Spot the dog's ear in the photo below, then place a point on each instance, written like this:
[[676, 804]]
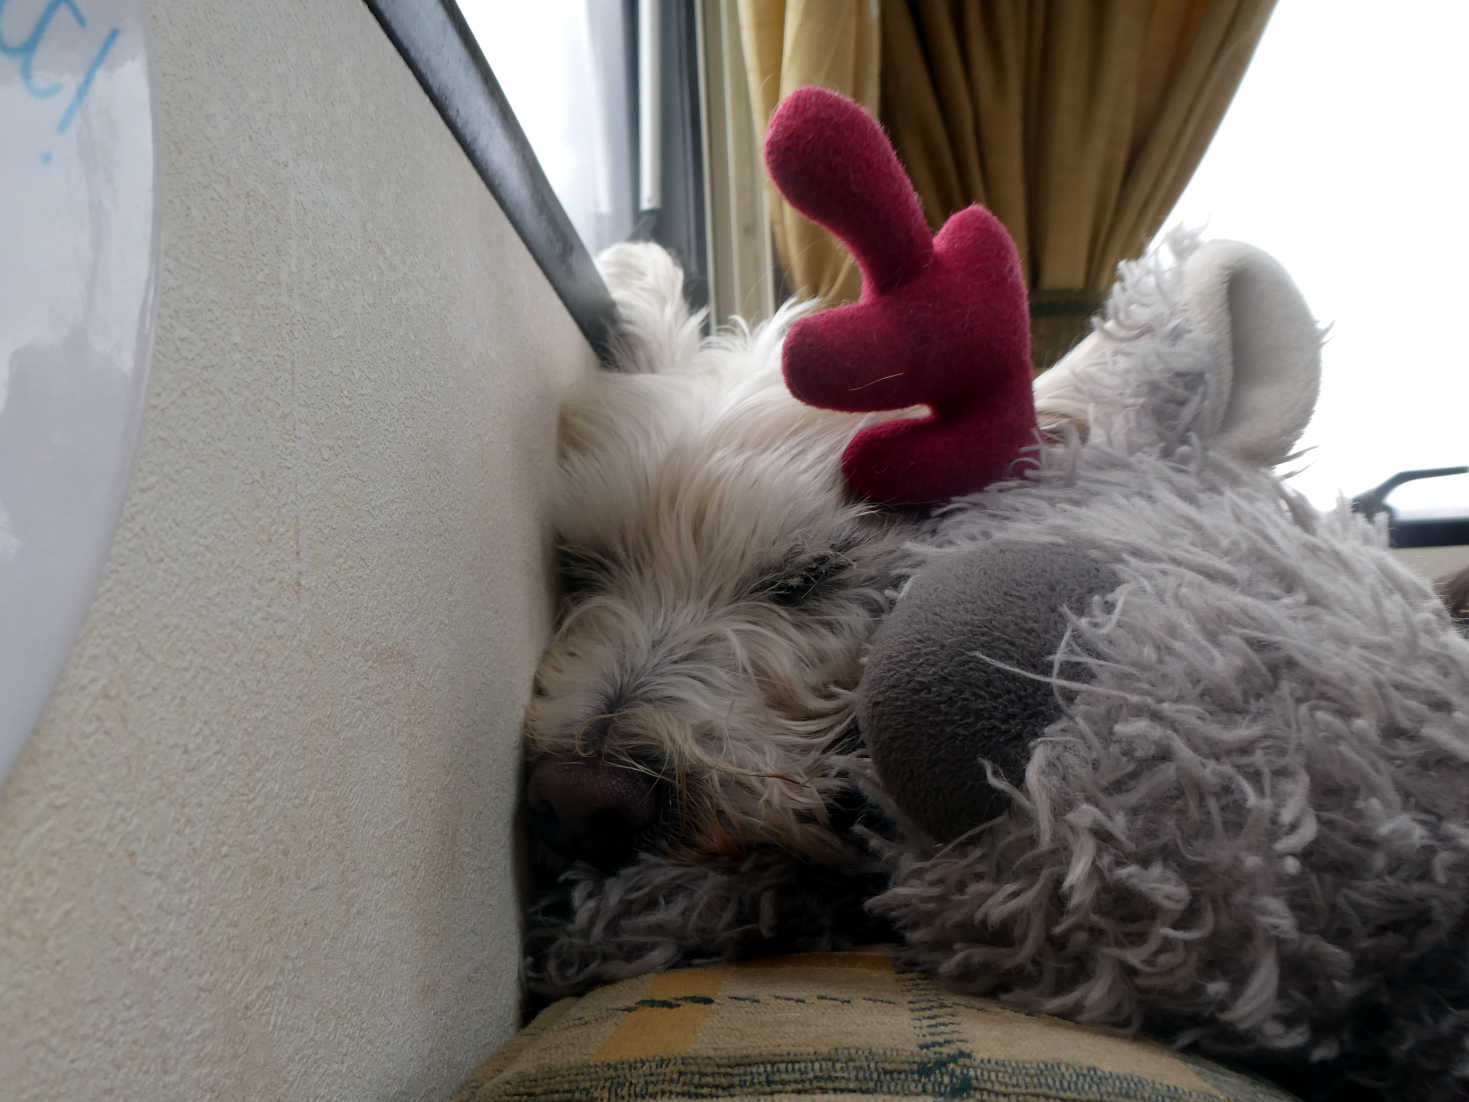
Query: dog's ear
[[1218, 346], [655, 332], [614, 411]]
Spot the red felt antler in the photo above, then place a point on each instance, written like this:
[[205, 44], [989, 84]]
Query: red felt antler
[[942, 321]]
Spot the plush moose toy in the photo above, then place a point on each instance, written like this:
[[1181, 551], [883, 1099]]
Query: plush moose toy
[[1171, 751], [1175, 752]]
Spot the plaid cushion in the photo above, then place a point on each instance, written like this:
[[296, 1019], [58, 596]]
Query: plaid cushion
[[828, 1025]]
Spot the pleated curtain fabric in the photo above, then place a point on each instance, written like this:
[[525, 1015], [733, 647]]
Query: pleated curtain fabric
[[1078, 122], [789, 44]]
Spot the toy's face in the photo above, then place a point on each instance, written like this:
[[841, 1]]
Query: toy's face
[[1252, 789]]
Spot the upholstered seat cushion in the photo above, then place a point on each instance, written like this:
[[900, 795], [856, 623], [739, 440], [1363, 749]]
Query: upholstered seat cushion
[[832, 1025]]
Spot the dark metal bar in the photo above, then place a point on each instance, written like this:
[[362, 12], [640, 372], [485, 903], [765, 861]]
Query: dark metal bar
[[436, 42]]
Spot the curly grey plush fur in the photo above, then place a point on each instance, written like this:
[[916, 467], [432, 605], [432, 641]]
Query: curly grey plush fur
[[661, 912], [1250, 825]]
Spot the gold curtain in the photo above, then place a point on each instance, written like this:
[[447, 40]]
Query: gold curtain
[[1078, 122], [789, 44]]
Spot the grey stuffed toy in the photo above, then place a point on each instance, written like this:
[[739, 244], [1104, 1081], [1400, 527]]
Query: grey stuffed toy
[[1173, 752], [1160, 747]]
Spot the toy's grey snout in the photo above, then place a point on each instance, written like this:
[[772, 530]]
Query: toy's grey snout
[[936, 699]]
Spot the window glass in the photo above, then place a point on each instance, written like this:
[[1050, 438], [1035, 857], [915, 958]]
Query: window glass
[[1344, 156], [563, 67]]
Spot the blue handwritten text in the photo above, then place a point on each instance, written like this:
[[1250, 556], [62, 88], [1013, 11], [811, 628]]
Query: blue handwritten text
[[21, 52]]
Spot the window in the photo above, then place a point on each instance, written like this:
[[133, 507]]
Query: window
[[579, 71], [1343, 156], [564, 66], [608, 95]]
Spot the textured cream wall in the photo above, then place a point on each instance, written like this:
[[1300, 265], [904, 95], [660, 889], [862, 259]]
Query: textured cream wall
[[257, 847], [1434, 562]]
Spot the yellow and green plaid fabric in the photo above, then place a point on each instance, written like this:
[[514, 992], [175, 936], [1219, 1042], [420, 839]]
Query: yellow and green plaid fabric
[[828, 1026]]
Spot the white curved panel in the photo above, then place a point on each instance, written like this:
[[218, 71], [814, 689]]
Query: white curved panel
[[78, 232]]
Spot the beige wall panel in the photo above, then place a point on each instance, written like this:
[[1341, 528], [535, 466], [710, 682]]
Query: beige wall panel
[[259, 846]]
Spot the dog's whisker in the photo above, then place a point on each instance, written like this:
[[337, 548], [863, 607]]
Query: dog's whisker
[[756, 774], [634, 767]]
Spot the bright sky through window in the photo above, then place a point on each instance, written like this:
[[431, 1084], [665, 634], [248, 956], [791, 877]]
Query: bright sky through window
[[562, 67], [1344, 155]]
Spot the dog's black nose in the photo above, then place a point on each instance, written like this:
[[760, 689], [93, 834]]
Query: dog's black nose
[[592, 810]]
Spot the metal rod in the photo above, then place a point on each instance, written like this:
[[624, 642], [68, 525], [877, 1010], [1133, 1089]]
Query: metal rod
[[650, 105]]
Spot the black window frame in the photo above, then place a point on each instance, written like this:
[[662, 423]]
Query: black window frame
[[440, 49]]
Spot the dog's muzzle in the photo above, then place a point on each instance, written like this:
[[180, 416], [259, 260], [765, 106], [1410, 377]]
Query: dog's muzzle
[[590, 810]]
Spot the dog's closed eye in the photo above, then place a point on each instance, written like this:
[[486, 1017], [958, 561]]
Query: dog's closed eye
[[579, 570], [803, 578]]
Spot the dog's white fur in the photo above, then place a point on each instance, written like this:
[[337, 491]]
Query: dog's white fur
[[729, 582]]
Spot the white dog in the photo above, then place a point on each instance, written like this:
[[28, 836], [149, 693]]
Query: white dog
[[696, 698]]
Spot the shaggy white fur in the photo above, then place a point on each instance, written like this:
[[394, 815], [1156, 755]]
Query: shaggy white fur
[[724, 581]]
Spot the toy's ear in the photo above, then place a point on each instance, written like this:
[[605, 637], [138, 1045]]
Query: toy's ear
[[1219, 346]]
